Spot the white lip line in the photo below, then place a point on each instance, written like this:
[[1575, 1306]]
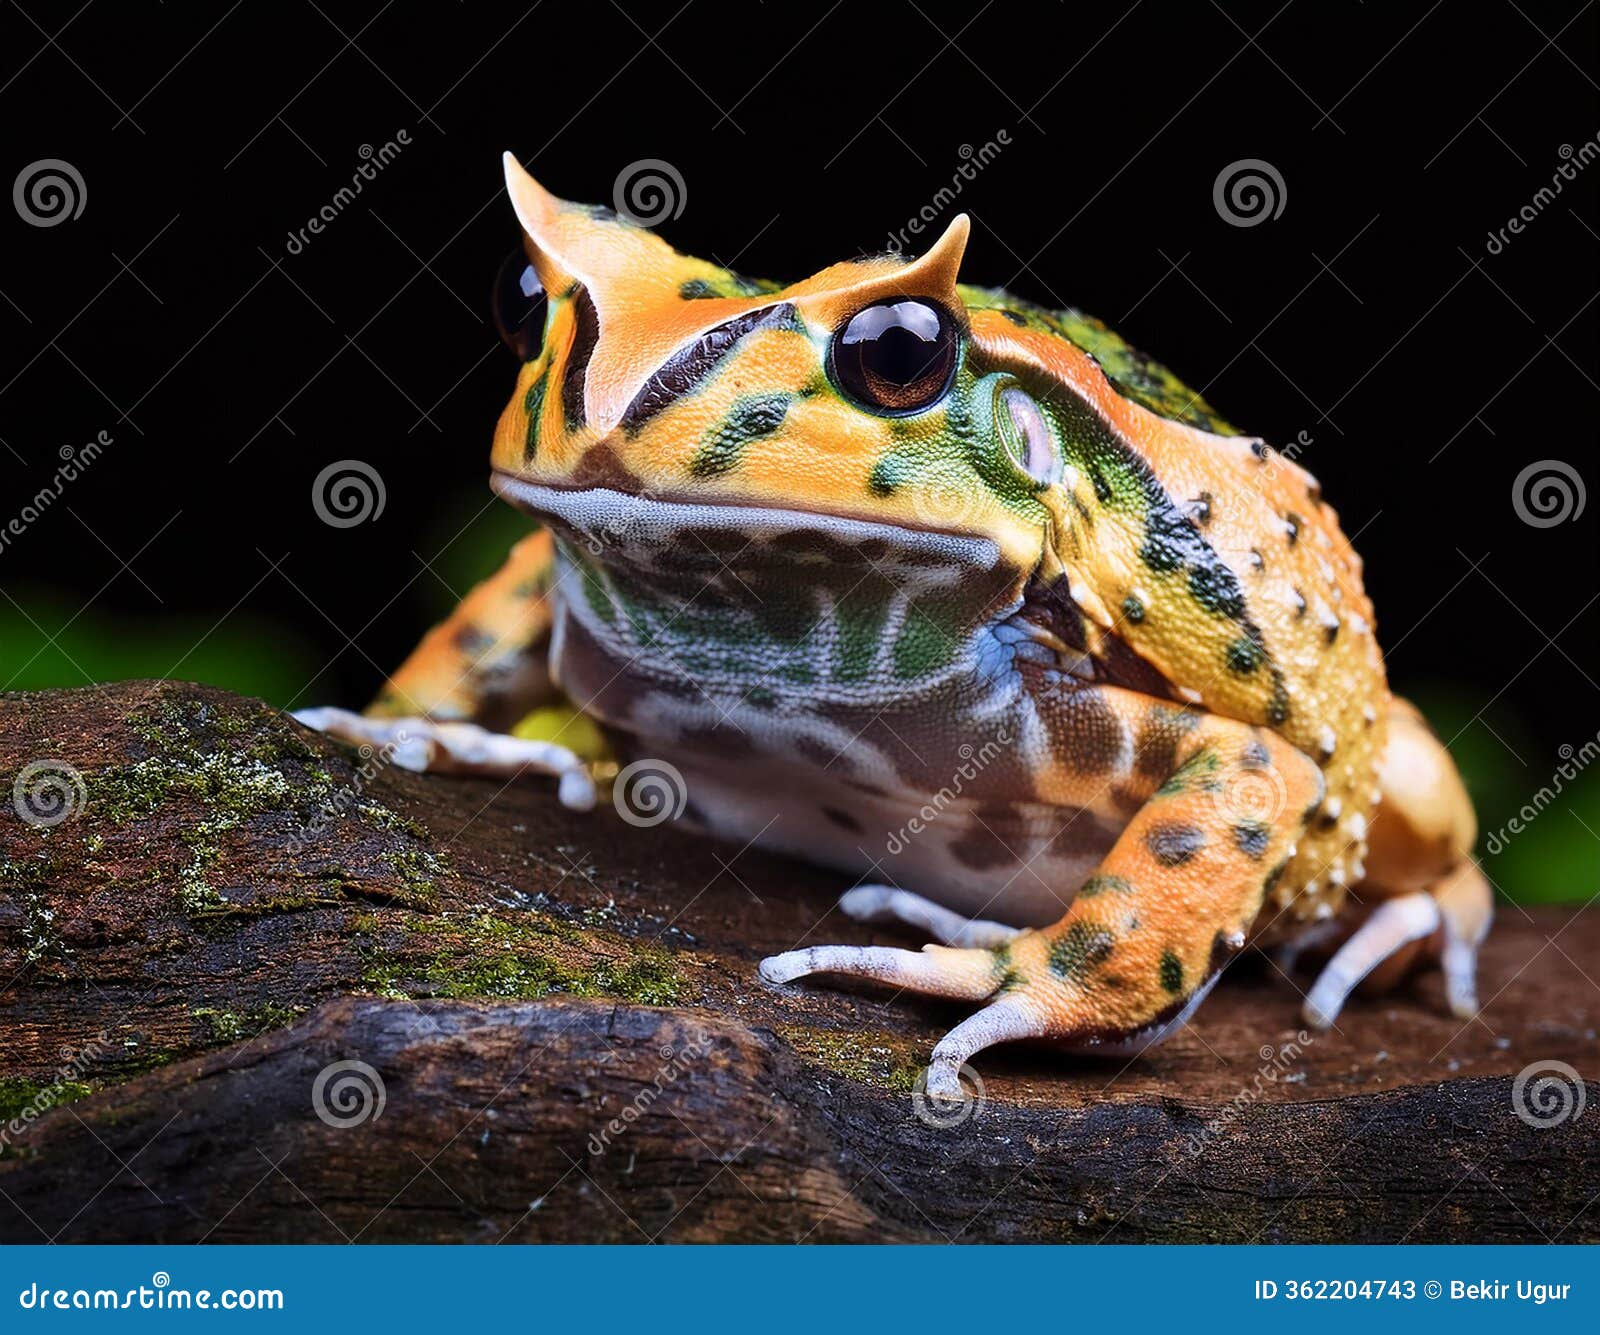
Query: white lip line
[[528, 494]]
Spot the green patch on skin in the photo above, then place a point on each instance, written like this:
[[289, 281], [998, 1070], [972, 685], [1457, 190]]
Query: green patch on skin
[[1079, 951], [859, 619], [894, 1068], [924, 646], [1102, 883], [1171, 972], [18, 1096], [1202, 765], [751, 418], [890, 473], [533, 405]]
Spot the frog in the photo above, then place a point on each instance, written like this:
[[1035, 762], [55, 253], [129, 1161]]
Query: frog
[[963, 597]]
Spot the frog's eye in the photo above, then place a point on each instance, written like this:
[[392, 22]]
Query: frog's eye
[[896, 356], [1027, 437], [519, 306]]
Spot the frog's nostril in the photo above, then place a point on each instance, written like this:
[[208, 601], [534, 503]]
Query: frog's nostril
[[1025, 432]]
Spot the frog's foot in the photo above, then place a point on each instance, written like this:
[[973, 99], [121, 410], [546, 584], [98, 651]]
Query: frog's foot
[[888, 903], [432, 747], [1145, 936], [1444, 925]]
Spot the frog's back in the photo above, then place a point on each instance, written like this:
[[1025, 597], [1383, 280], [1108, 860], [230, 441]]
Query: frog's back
[[1215, 558]]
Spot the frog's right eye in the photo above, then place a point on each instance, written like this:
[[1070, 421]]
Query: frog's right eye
[[519, 306]]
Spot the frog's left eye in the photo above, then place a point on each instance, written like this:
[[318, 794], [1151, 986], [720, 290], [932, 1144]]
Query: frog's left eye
[[519, 306], [896, 356]]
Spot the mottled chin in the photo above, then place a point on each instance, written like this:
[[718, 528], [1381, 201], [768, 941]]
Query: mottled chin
[[621, 528]]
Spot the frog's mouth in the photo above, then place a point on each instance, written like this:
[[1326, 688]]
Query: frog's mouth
[[625, 529]]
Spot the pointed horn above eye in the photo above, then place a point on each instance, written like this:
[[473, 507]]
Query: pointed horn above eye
[[940, 267], [612, 259]]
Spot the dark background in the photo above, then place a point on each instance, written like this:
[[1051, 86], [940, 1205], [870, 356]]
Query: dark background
[[1426, 371]]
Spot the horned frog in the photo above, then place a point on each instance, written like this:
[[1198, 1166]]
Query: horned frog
[[923, 582]]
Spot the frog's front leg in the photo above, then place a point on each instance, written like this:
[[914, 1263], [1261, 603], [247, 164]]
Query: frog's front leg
[[1147, 933], [452, 705]]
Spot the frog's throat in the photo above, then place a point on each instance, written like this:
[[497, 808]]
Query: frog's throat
[[606, 520]]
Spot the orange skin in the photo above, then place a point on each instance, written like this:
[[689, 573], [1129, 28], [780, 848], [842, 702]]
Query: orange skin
[[1257, 729]]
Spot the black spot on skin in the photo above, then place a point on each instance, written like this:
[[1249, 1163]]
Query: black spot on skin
[[1278, 704], [1156, 746], [1103, 883], [696, 289], [690, 366], [1080, 950], [473, 642], [1102, 488], [1133, 609], [1173, 844], [1171, 972], [1330, 632], [1292, 525], [1255, 755], [1244, 656], [843, 819], [1260, 450], [1273, 877], [1251, 836], [1299, 604], [586, 334], [1200, 509], [1214, 587], [1257, 561], [1016, 317]]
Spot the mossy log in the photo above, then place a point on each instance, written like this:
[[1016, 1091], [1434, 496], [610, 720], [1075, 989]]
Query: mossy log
[[257, 986]]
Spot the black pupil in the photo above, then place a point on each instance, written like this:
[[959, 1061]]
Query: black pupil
[[897, 356], [519, 306]]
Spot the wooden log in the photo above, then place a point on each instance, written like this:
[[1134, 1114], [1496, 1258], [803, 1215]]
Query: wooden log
[[259, 987]]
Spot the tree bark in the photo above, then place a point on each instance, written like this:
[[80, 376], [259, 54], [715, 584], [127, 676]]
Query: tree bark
[[260, 987]]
